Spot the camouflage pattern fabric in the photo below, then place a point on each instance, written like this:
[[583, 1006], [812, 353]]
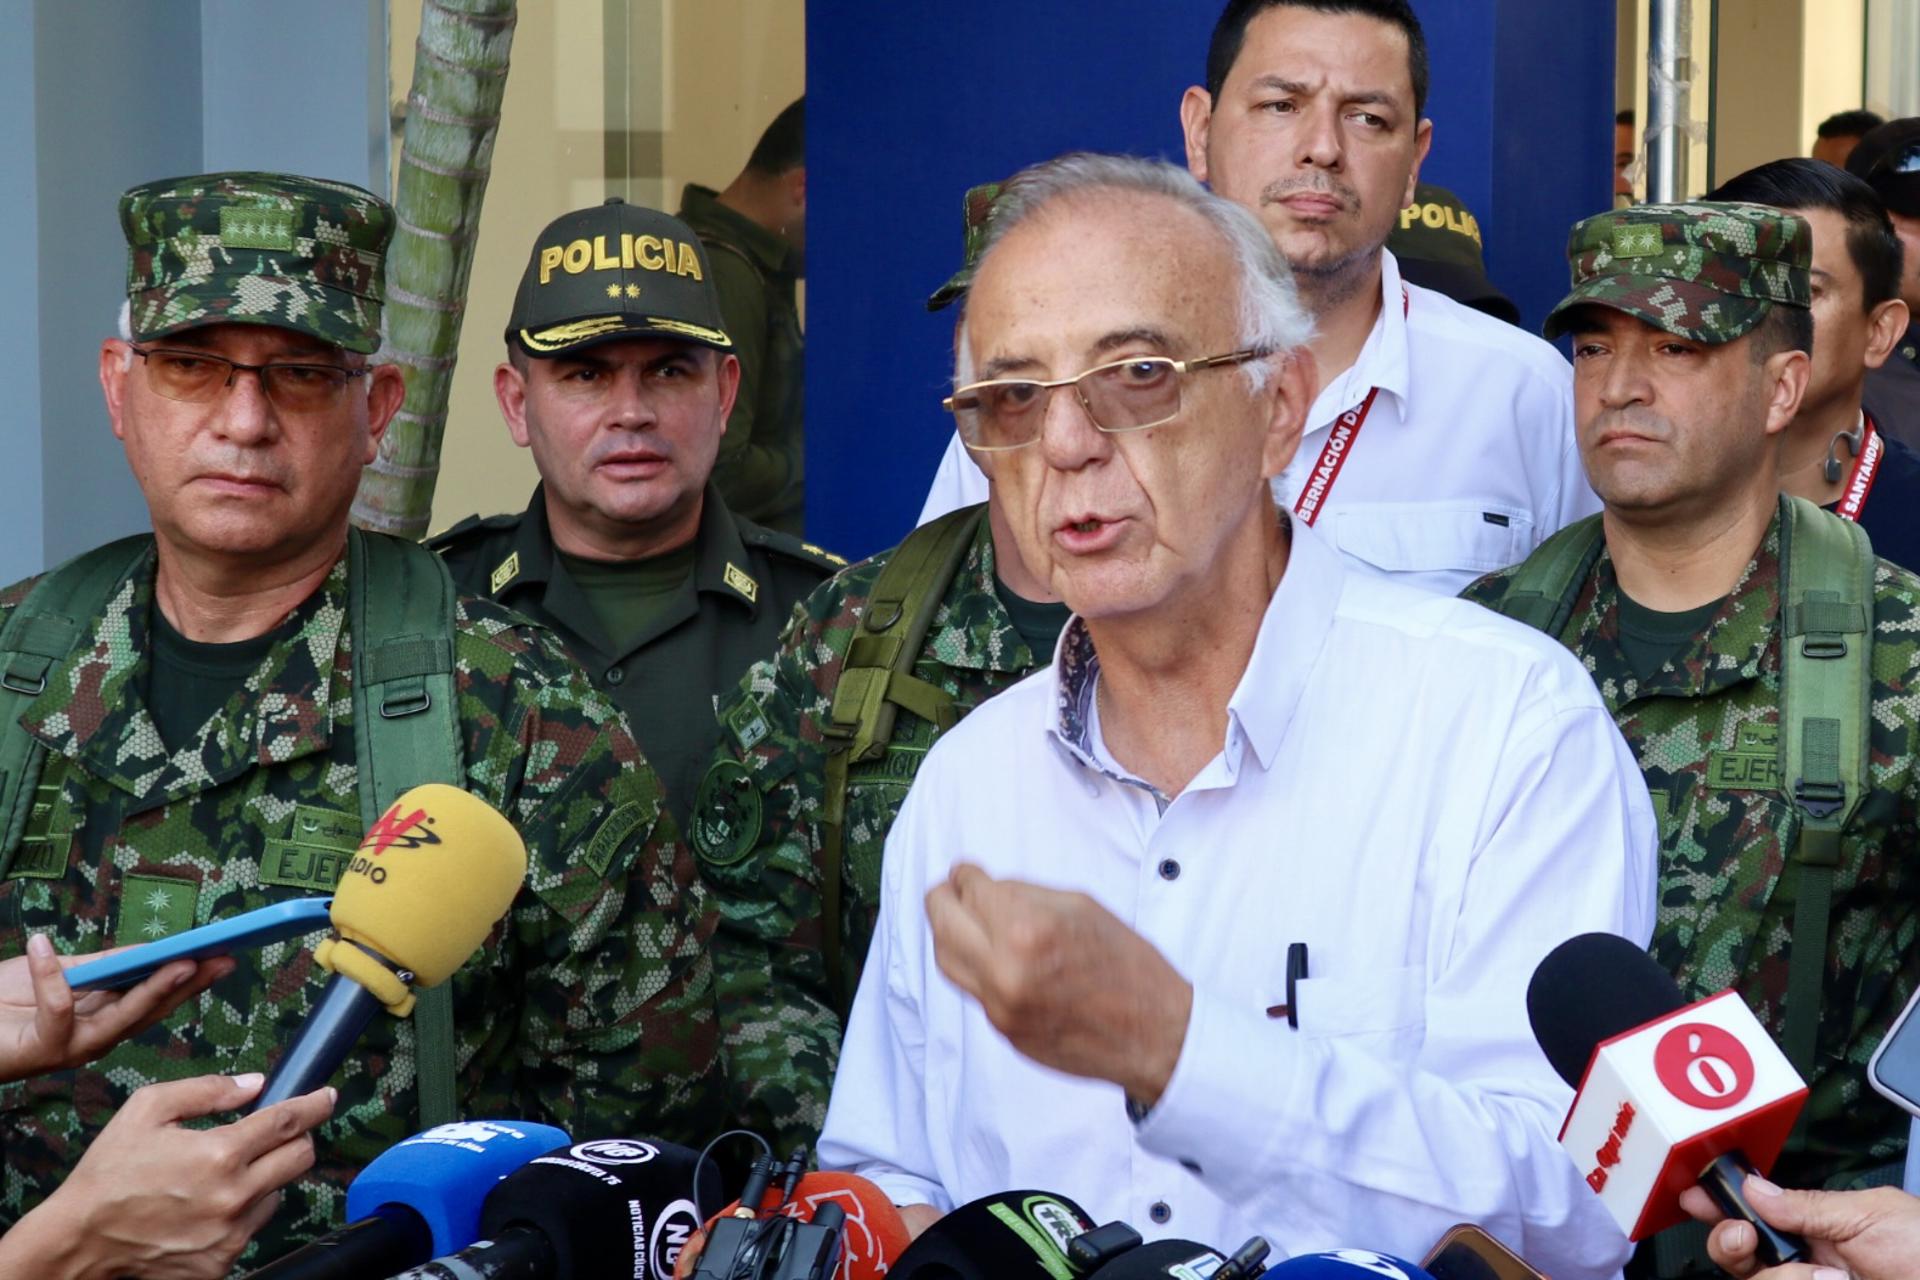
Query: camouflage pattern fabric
[[1706, 730], [1707, 271], [256, 248], [756, 829], [589, 1006], [977, 209]]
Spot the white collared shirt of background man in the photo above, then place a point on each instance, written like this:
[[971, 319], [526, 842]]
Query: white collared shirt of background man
[[1428, 795], [1465, 464]]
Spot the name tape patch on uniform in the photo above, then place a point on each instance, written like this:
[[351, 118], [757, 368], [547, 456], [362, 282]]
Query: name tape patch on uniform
[[1752, 765], [725, 824]]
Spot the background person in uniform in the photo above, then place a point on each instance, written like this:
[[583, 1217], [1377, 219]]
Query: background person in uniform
[[764, 828], [1888, 160], [1690, 326], [1437, 244], [619, 376], [1833, 453], [149, 1195], [1440, 441], [199, 738], [1626, 145], [1841, 132], [1223, 671], [756, 236]]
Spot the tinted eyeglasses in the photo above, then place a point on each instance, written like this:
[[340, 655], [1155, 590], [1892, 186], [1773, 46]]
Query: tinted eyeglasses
[[195, 377], [1126, 395]]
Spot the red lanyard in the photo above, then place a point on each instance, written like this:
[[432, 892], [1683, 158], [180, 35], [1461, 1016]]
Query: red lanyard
[[1339, 446], [1860, 482]]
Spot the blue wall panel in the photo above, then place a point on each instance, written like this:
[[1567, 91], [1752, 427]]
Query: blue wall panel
[[910, 104]]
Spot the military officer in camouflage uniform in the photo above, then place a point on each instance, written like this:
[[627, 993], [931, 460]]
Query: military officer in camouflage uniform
[[755, 232], [194, 737], [817, 749], [1690, 329], [619, 375]]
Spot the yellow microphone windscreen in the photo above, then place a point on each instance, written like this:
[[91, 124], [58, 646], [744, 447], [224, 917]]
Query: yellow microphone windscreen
[[426, 886]]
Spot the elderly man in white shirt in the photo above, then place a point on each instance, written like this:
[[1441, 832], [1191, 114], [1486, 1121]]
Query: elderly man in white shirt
[[1440, 442], [1242, 751]]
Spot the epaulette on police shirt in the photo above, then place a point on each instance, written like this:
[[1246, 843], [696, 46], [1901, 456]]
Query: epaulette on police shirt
[[785, 544]]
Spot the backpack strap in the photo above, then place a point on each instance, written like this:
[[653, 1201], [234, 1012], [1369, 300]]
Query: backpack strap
[[406, 731], [1544, 587], [877, 680], [1826, 673], [42, 631]]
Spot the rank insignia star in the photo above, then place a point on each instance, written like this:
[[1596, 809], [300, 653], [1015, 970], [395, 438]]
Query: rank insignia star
[[633, 291], [613, 291]]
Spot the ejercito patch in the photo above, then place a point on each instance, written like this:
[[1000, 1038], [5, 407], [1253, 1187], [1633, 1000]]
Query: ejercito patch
[[725, 823]]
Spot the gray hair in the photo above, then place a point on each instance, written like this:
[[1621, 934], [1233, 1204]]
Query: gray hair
[[1271, 317], [124, 328]]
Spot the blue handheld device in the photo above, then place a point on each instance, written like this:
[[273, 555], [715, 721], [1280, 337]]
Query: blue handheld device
[[223, 937]]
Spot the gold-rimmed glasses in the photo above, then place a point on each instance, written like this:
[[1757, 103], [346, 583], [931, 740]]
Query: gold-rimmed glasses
[[1124, 395]]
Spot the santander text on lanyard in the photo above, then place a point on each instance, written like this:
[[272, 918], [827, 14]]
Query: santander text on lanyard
[[1339, 446], [1860, 483]]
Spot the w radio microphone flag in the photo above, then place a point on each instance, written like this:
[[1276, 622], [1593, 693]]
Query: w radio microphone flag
[[1670, 1094], [419, 897]]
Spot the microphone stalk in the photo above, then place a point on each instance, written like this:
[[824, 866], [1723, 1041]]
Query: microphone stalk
[[1725, 1180], [520, 1253], [328, 1036]]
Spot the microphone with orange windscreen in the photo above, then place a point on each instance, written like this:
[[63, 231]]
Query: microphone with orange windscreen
[[830, 1226]]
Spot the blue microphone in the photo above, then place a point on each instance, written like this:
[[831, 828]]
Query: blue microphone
[[418, 1199], [1348, 1264]]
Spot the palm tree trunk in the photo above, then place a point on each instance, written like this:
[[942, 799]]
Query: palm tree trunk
[[446, 154]]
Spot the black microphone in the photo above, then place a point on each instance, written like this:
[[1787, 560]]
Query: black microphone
[[613, 1207], [1667, 1093], [416, 1199], [1015, 1235]]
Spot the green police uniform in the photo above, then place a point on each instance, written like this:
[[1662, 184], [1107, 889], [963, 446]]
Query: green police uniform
[[588, 1005], [1704, 714], [762, 463], [610, 272], [728, 612]]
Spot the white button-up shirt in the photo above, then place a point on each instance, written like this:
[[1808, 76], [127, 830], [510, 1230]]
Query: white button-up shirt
[[1467, 460], [1429, 796]]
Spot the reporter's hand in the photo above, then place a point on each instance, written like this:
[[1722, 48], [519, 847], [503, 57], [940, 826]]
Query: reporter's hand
[[918, 1218], [45, 1027], [1872, 1235], [153, 1199]]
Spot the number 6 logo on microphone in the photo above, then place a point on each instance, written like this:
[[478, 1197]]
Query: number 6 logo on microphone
[[1704, 1066]]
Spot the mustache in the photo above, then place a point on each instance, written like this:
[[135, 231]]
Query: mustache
[[1319, 184]]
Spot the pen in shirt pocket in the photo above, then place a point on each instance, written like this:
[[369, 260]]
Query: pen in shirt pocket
[[1296, 970]]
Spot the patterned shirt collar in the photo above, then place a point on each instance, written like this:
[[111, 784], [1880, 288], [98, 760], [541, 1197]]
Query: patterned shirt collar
[[1292, 633], [1741, 643], [94, 708]]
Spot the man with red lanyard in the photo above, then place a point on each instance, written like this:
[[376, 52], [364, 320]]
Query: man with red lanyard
[[1440, 442], [1834, 453]]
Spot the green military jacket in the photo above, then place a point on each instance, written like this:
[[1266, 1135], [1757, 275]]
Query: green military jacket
[[762, 466], [746, 580], [591, 1004], [1727, 832], [757, 833]]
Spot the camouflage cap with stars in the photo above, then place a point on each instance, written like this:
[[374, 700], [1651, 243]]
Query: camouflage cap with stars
[[1706, 271], [614, 271], [256, 248], [977, 209]]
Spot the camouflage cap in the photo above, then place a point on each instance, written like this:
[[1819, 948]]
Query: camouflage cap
[[257, 248], [1706, 271], [615, 270], [977, 210]]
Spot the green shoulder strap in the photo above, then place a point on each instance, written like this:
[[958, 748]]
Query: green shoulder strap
[[1826, 675], [1544, 587], [39, 635], [878, 679], [406, 731]]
